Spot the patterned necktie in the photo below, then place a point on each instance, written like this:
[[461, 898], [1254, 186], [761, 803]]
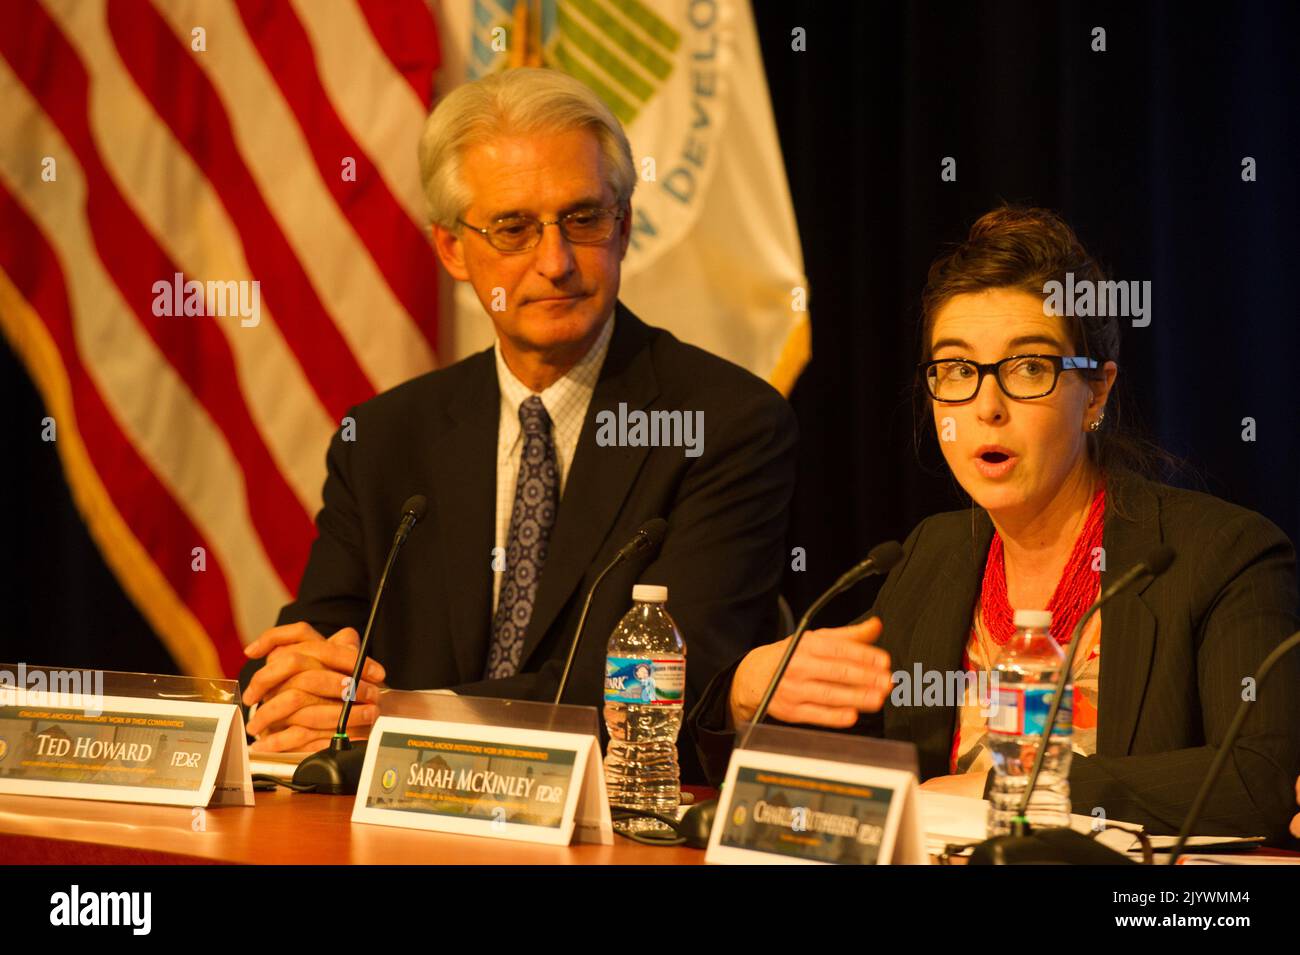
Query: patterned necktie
[[536, 500]]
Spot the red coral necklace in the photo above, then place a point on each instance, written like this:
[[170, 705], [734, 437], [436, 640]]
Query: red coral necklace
[[1075, 591]]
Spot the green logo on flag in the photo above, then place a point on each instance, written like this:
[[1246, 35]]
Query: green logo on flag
[[621, 49]]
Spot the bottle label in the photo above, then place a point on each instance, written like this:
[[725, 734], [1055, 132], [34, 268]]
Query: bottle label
[[645, 680], [1022, 711]]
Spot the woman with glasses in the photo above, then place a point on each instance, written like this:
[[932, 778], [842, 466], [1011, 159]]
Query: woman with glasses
[[1019, 397]]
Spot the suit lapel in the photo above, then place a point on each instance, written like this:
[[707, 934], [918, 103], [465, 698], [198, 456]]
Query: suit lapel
[[464, 482], [599, 477], [1128, 626], [942, 630]]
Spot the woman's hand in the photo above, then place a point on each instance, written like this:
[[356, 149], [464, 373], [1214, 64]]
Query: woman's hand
[[834, 675]]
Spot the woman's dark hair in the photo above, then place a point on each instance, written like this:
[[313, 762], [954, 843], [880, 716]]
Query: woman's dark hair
[[1025, 248]]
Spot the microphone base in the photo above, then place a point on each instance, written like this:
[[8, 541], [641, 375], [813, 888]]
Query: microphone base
[[697, 823], [1047, 847], [335, 771]]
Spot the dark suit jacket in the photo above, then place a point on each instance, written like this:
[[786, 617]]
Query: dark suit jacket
[[1174, 654], [436, 435]]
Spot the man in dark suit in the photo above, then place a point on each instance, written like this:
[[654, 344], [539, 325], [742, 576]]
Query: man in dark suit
[[1177, 654], [529, 453]]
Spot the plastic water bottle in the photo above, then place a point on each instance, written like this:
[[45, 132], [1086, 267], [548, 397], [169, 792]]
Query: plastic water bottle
[[1025, 677], [645, 682]]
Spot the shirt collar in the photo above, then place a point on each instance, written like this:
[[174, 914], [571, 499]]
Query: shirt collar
[[580, 380]]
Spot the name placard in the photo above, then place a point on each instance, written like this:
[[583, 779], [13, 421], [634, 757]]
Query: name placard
[[500, 782], [124, 749], [796, 810]]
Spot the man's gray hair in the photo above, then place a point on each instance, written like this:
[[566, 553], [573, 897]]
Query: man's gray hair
[[521, 101]]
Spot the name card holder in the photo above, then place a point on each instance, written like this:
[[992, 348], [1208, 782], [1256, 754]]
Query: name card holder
[[505, 769], [122, 737], [803, 797]]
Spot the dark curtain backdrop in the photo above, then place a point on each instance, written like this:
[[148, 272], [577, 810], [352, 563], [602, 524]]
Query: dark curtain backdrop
[[1140, 147]]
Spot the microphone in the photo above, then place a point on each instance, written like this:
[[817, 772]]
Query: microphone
[[880, 561], [412, 512], [697, 822], [1221, 757], [1070, 846], [336, 771], [647, 539]]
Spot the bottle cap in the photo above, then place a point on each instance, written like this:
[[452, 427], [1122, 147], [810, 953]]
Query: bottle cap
[[650, 593], [1037, 619]]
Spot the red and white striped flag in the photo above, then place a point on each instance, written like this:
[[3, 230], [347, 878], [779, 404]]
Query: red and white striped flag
[[264, 150]]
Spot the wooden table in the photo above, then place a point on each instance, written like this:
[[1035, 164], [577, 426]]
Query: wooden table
[[283, 828]]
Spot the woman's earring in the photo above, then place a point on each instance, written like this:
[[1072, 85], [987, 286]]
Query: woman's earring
[[1096, 425]]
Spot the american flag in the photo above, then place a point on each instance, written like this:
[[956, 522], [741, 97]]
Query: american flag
[[224, 143]]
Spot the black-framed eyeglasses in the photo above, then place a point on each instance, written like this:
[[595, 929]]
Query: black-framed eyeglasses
[[1019, 376], [521, 233]]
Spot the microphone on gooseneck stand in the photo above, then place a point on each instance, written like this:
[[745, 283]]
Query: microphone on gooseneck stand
[[336, 771], [1225, 748], [880, 561], [1064, 845], [647, 539], [697, 823]]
